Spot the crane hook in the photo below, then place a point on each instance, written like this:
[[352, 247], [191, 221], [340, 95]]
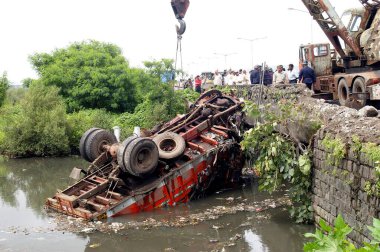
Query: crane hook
[[181, 28]]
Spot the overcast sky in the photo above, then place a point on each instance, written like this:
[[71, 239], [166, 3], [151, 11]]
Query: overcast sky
[[144, 29]]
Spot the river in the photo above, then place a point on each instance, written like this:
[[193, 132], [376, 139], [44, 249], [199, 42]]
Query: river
[[26, 226]]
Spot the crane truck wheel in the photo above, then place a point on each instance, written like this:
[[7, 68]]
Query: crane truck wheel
[[141, 157], [359, 87], [170, 145], [343, 92], [121, 152], [82, 143], [95, 143]]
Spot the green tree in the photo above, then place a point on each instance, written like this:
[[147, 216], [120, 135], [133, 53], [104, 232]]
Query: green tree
[[4, 85], [159, 67], [27, 82], [36, 126], [90, 74]]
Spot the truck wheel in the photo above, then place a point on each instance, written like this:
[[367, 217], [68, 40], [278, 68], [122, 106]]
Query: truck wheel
[[121, 151], [343, 92], [359, 87], [95, 142], [141, 157], [82, 143], [170, 145]]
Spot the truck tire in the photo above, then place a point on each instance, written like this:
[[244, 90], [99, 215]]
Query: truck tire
[[170, 145], [141, 157], [343, 92], [82, 142], [359, 87], [121, 152], [95, 142]]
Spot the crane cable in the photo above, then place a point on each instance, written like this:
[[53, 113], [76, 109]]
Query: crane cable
[[179, 50]]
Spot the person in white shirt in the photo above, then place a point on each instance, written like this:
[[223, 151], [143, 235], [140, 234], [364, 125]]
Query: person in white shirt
[[218, 81], [292, 74], [240, 78], [280, 77], [230, 78]]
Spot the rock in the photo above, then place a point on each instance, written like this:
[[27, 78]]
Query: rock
[[368, 111], [169, 249], [236, 237], [88, 230]]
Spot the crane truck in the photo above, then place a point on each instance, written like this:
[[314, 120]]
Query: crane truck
[[350, 71]]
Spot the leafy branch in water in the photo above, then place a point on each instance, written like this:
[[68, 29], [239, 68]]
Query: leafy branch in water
[[335, 238], [277, 161]]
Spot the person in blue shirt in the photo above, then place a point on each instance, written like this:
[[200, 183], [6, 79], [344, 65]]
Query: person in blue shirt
[[255, 75], [307, 75]]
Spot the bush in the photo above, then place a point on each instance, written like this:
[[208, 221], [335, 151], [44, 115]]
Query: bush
[[36, 126], [79, 122], [15, 95], [159, 106]]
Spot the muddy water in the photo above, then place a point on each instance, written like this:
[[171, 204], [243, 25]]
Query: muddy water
[[25, 226]]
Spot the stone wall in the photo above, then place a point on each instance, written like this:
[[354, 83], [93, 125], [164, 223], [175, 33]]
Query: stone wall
[[343, 188]]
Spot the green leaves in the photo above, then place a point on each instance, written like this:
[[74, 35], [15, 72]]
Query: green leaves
[[36, 126], [90, 75], [337, 150], [276, 159], [335, 239], [304, 164]]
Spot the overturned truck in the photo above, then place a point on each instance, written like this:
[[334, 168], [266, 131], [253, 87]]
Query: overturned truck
[[181, 160]]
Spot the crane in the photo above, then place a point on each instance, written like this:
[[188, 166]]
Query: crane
[[354, 76]]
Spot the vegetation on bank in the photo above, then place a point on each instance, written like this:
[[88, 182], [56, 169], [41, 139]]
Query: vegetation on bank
[[335, 238], [278, 159], [87, 84]]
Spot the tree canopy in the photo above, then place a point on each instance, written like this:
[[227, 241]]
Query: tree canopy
[[90, 74]]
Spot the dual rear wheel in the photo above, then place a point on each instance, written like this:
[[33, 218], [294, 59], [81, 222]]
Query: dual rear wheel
[[344, 92]]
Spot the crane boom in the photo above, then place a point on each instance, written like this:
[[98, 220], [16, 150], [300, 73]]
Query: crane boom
[[324, 13]]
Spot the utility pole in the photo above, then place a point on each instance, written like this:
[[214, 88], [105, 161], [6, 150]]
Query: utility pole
[[251, 43], [225, 57], [311, 22]]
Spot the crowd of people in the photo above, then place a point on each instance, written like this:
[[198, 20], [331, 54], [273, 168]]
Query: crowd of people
[[258, 75]]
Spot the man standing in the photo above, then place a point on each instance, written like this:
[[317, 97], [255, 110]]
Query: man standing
[[218, 79], [307, 75], [255, 75], [279, 77], [292, 74]]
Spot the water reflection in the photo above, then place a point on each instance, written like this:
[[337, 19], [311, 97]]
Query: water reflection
[[36, 179], [254, 241]]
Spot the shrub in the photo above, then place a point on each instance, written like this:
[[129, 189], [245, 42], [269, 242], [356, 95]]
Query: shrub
[[36, 126], [79, 122]]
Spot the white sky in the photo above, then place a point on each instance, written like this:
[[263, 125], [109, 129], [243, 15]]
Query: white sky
[[144, 29]]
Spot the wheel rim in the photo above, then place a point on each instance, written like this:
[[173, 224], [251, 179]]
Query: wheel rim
[[168, 145]]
